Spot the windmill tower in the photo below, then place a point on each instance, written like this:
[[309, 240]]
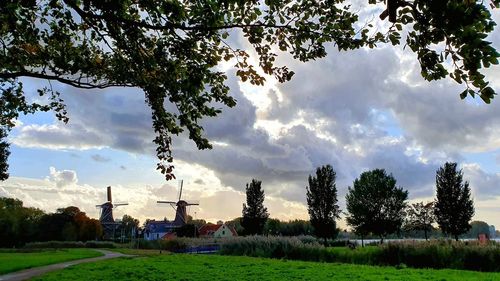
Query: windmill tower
[[180, 208], [106, 215]]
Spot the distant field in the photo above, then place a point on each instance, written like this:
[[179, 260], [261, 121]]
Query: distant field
[[215, 267], [10, 261]]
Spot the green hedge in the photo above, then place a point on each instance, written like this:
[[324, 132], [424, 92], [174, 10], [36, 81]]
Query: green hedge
[[175, 244], [69, 244], [432, 254], [443, 254]]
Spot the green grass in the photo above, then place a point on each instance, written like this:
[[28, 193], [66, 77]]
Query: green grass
[[140, 252], [12, 261], [215, 267]]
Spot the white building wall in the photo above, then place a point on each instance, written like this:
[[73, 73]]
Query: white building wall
[[154, 235], [223, 231]]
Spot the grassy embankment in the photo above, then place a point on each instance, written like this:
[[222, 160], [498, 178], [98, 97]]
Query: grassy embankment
[[215, 267], [11, 261]]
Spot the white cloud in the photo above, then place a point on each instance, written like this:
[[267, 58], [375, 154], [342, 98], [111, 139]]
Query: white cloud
[[216, 202], [58, 136], [359, 110], [62, 178]]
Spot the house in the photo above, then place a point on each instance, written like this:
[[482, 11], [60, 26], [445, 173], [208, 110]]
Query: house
[[218, 230], [155, 230]]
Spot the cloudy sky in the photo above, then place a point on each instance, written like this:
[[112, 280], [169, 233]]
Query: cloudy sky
[[357, 111]]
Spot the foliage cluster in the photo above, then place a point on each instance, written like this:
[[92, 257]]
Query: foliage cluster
[[420, 218], [288, 228], [255, 214], [69, 244], [68, 224], [443, 254], [375, 204], [304, 248], [172, 49], [478, 227], [454, 206], [173, 245], [322, 202], [432, 254], [19, 224]]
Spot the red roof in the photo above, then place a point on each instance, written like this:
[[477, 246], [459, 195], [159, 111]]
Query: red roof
[[233, 230], [209, 229], [168, 236]]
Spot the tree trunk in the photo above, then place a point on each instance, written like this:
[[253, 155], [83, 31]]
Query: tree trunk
[[362, 241], [381, 240], [425, 233], [456, 237]]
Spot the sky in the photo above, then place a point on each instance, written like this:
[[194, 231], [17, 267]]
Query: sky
[[356, 110]]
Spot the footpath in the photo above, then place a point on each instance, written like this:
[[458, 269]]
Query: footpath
[[37, 271]]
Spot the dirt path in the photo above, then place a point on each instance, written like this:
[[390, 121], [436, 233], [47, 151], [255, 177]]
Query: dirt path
[[36, 271]]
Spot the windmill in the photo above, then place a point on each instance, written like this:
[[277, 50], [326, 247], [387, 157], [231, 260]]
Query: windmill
[[180, 208], [106, 215]]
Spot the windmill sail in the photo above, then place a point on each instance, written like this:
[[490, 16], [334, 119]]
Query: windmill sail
[[109, 194], [180, 192], [106, 215], [180, 208]]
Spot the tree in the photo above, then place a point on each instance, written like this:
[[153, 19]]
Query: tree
[[91, 230], [478, 227], [187, 230], [421, 217], [453, 207], [375, 205], [18, 224], [288, 228], [68, 224], [254, 213], [129, 226], [196, 222], [236, 224], [171, 50], [322, 202]]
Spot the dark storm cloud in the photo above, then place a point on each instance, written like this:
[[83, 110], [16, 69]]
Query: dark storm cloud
[[484, 185]]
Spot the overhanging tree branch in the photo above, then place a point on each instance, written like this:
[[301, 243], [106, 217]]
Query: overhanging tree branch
[[75, 83]]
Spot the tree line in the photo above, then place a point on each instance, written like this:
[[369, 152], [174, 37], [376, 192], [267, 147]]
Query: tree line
[[375, 205], [20, 225]]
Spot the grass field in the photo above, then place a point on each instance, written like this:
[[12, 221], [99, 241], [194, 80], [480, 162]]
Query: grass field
[[215, 267], [11, 261]]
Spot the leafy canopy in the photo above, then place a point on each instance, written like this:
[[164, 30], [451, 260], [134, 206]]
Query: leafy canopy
[[454, 206], [172, 50], [420, 217], [322, 202], [375, 205], [254, 213]]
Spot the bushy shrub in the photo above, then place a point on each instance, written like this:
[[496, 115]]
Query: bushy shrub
[[274, 247], [442, 254], [100, 244], [69, 244], [418, 254], [175, 244], [55, 244]]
